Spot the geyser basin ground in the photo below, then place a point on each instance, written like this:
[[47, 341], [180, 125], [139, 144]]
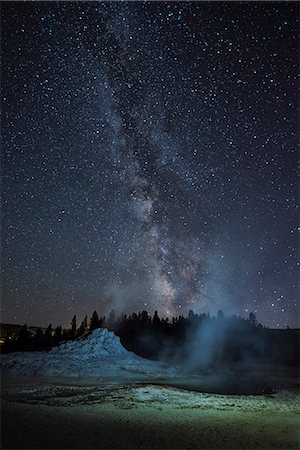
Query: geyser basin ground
[[94, 394], [133, 416]]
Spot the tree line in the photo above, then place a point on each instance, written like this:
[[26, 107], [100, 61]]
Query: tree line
[[198, 338], [139, 332]]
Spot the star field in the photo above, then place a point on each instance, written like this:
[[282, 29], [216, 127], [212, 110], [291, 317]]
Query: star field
[[149, 159]]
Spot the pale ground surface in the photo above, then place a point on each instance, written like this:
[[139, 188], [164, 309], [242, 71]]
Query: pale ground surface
[[94, 394], [147, 416]]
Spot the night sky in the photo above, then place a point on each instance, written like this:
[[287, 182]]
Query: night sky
[[149, 159]]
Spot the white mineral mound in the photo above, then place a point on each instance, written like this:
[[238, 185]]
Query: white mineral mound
[[100, 343], [99, 355]]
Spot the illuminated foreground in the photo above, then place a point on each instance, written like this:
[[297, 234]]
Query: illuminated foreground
[[130, 416]]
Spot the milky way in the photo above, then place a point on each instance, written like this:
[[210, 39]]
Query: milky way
[[149, 159]]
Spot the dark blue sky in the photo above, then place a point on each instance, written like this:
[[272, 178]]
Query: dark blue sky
[[149, 159]]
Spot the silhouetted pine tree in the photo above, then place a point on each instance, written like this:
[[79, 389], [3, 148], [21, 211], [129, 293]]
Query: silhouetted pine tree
[[23, 340], [94, 321], [83, 327], [73, 328], [58, 333], [252, 319], [39, 333], [156, 321], [111, 322], [48, 331]]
